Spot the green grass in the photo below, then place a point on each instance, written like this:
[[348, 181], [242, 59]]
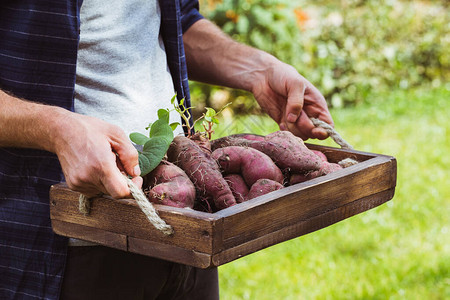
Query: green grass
[[400, 250]]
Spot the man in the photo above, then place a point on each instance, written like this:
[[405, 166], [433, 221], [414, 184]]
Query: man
[[67, 102]]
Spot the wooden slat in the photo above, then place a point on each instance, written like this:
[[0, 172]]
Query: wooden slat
[[130, 244], [264, 215], [303, 227], [169, 252], [91, 234], [125, 217]]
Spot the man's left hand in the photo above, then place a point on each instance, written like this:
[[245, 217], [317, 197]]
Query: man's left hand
[[291, 100]]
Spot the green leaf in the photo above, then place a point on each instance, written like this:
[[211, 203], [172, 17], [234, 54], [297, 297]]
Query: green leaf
[[174, 125], [138, 138], [215, 120], [161, 129], [154, 151], [172, 101], [181, 101], [163, 114], [207, 118], [144, 164], [210, 112]]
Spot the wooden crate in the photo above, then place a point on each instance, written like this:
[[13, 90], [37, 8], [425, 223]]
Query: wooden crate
[[211, 239]]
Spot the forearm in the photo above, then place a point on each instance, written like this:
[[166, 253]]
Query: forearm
[[89, 150], [213, 57], [283, 93], [26, 124]]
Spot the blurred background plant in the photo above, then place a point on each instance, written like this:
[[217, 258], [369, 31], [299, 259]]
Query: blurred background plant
[[347, 48]]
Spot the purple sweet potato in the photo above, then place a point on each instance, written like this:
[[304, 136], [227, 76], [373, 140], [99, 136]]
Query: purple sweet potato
[[262, 187], [238, 186], [320, 154], [250, 163], [326, 168], [293, 155], [202, 141], [169, 185], [251, 137], [202, 170], [285, 149], [302, 177]]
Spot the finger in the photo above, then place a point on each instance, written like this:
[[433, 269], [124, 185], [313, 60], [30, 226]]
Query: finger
[[116, 186], [327, 118], [294, 102], [128, 157], [84, 183], [305, 126], [319, 133], [295, 129], [120, 165], [138, 181], [114, 181], [92, 193]]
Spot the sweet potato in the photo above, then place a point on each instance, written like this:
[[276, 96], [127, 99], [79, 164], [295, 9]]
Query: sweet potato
[[285, 149], [202, 141], [250, 163], [302, 177], [320, 154], [238, 186], [262, 187], [169, 185], [326, 168], [203, 171], [248, 136]]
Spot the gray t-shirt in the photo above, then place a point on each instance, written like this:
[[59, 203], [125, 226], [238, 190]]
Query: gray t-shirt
[[122, 72]]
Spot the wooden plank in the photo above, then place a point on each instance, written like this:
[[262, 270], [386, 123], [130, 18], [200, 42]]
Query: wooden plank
[[271, 212], [91, 234], [130, 244], [169, 252], [303, 227], [193, 230]]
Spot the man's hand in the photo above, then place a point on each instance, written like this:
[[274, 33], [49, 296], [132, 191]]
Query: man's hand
[[280, 90], [93, 154], [291, 100]]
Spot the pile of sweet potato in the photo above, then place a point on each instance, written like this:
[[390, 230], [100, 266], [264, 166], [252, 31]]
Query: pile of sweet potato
[[213, 175]]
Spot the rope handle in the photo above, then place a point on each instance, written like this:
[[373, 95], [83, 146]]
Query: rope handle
[[347, 162], [332, 133], [145, 205]]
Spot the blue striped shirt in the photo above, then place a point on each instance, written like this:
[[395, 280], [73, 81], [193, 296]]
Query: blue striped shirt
[[38, 51]]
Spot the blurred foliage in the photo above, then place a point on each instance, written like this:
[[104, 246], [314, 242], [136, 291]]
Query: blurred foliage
[[346, 48], [398, 251]]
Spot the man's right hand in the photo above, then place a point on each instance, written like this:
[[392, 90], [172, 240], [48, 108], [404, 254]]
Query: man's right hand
[[93, 153]]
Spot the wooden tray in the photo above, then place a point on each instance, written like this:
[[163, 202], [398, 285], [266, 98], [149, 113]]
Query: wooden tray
[[205, 240]]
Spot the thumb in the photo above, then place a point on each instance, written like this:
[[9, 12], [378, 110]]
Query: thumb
[[294, 103]]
